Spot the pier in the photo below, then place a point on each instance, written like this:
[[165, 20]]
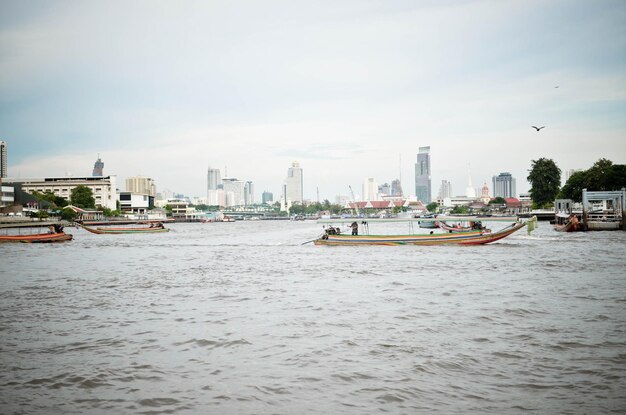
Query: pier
[[604, 210]]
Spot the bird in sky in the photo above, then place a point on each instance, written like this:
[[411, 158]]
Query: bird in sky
[[538, 128]]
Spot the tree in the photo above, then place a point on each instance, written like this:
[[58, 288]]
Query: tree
[[82, 197], [497, 201], [459, 210], [545, 180], [68, 215], [603, 175], [432, 207]]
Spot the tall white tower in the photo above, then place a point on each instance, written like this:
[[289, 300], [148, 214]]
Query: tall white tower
[[294, 183]]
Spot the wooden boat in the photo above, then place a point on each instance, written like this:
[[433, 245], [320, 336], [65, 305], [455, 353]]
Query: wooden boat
[[101, 230], [567, 223], [37, 238], [477, 237]]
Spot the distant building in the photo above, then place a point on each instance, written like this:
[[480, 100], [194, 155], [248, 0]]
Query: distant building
[[104, 188], [141, 185], [445, 190], [422, 175], [384, 189], [294, 184], [3, 159], [7, 195], [396, 188], [470, 192], [248, 195], [234, 191], [267, 197], [98, 168], [136, 203], [484, 194], [503, 185], [214, 183], [370, 189], [569, 173]]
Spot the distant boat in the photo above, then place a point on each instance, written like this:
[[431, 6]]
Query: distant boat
[[475, 237], [101, 230]]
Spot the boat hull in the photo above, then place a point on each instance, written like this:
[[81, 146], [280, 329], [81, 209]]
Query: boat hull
[[467, 238], [100, 231], [38, 238]]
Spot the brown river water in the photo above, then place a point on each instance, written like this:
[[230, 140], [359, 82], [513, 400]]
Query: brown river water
[[241, 318]]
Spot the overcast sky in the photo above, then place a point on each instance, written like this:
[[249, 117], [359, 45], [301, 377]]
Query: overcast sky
[[347, 88]]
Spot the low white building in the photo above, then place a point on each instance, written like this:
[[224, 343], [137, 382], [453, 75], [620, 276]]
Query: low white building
[[104, 188], [7, 196], [135, 203]]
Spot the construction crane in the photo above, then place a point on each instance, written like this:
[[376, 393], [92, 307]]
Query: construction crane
[[356, 206]]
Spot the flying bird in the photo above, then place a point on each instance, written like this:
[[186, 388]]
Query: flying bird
[[538, 128]]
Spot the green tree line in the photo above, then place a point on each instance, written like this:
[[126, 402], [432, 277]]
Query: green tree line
[[545, 179]]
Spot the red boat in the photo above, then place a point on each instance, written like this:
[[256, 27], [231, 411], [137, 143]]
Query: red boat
[[37, 238]]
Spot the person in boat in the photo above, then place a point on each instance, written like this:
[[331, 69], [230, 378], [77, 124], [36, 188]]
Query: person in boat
[[355, 228], [58, 228], [50, 229], [331, 231]]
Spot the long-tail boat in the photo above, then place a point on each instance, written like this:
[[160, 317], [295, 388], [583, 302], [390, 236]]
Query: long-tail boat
[[102, 230], [475, 237], [55, 234], [567, 223]]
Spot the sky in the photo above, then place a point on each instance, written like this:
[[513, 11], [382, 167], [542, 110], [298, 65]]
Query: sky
[[349, 89]]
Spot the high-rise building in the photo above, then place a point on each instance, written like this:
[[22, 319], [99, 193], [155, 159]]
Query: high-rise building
[[214, 178], [445, 190], [422, 175], [370, 189], [3, 159], [235, 191], [141, 185], [248, 194], [214, 183], [504, 185], [396, 188], [98, 166], [384, 189], [294, 183], [267, 197]]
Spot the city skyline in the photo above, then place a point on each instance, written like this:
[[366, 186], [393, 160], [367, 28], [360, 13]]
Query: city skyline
[[344, 91]]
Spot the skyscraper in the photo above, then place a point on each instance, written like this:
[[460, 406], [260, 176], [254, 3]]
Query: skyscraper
[[504, 185], [3, 159], [248, 193], [445, 191], [97, 168], [267, 197], [396, 188], [294, 183], [370, 189], [214, 182], [422, 175]]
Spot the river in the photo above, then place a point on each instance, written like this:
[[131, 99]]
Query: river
[[236, 318]]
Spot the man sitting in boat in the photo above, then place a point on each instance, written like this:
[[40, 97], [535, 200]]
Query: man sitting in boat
[[58, 228]]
